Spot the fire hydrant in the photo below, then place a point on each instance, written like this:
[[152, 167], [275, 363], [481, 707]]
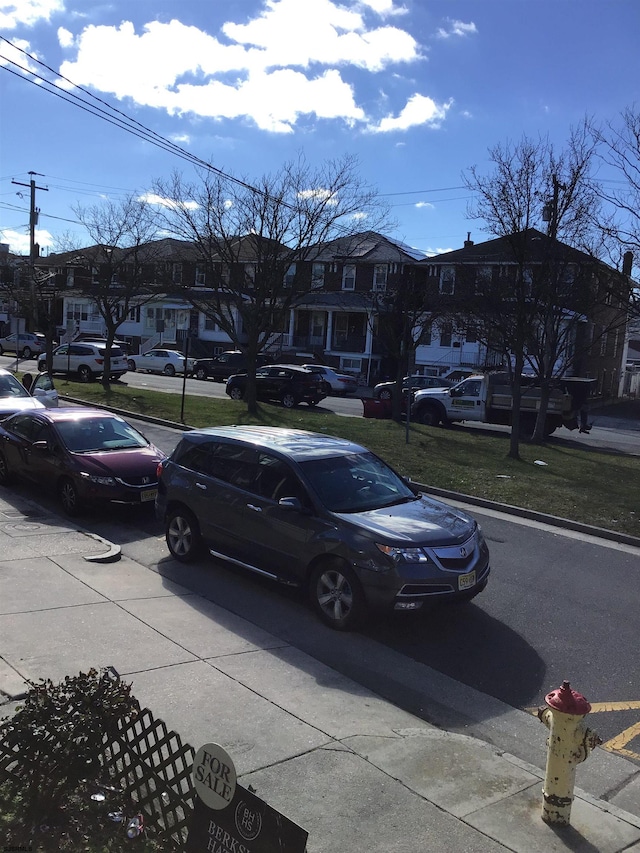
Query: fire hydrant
[[569, 742]]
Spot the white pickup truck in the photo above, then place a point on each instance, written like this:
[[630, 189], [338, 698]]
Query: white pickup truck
[[486, 397]]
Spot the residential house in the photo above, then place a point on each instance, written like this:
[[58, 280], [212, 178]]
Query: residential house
[[590, 301]]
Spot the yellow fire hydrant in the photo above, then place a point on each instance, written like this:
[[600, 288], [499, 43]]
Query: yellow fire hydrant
[[569, 742]]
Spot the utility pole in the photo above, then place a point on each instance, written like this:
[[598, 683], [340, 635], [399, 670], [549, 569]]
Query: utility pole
[[33, 220]]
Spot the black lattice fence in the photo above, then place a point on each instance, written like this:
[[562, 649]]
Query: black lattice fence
[[148, 762], [153, 767]]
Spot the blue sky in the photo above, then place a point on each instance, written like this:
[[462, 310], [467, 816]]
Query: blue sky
[[418, 90]]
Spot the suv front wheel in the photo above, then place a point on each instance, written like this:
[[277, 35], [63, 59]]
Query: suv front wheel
[[336, 595], [182, 535]]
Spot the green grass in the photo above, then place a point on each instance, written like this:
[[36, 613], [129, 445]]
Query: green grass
[[580, 484]]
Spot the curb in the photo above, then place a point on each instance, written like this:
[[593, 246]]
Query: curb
[[533, 515], [112, 555]]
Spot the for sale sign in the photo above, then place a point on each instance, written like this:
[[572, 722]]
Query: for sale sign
[[228, 818]]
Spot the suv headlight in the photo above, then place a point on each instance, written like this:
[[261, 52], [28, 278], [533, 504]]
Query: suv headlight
[[409, 555]]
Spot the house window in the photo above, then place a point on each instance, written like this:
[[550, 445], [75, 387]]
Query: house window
[[527, 281], [380, 272], [250, 274], [483, 279], [201, 276], [95, 275], [353, 365], [424, 336], [176, 273], [349, 277], [567, 279], [70, 277], [447, 280], [603, 341], [77, 311], [446, 333], [471, 336], [317, 275], [134, 315], [290, 276]]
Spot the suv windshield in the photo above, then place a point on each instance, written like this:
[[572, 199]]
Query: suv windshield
[[355, 482]]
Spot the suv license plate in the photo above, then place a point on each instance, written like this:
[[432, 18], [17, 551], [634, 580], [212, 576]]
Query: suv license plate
[[149, 495], [467, 581]]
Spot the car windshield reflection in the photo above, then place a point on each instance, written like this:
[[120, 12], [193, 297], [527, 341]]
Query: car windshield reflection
[[10, 387], [87, 435], [356, 482]]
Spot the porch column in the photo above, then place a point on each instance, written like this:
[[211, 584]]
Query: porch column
[[329, 329], [292, 317]]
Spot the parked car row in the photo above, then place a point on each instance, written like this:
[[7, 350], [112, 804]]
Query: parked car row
[[262, 498]]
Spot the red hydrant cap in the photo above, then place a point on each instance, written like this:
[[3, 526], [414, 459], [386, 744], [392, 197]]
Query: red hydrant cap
[[567, 700]]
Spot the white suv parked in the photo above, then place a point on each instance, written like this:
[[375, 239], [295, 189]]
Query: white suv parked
[[86, 360], [26, 344]]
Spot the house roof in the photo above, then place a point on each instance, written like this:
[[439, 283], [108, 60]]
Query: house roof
[[508, 248], [368, 246]]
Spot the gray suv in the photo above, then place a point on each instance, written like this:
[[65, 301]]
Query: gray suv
[[318, 512]]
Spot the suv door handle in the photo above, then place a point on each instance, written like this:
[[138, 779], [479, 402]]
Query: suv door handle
[[201, 486], [254, 507]]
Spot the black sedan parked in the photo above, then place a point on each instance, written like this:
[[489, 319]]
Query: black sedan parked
[[283, 382], [86, 456]]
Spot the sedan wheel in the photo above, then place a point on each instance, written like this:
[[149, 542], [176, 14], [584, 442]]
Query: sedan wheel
[[69, 497], [182, 535], [289, 400], [385, 394], [131, 365], [26, 352], [5, 473], [200, 373], [337, 596], [236, 393], [169, 370]]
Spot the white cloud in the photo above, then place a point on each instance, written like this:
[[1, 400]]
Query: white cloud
[[267, 70], [457, 28], [12, 53], [20, 244], [427, 204], [181, 138], [320, 195], [65, 38], [152, 198], [419, 110], [14, 13]]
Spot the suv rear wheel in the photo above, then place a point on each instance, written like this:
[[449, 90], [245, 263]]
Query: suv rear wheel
[[26, 352], [236, 393], [336, 595], [200, 373], [182, 535], [289, 400], [84, 373]]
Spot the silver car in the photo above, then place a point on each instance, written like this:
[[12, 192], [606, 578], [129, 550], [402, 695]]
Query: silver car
[[159, 360]]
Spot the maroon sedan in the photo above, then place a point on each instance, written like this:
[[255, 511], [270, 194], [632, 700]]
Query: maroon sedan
[[86, 456]]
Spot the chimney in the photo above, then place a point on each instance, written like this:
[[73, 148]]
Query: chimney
[[627, 263], [468, 242]]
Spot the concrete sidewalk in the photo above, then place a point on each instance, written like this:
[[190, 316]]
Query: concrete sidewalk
[[352, 769]]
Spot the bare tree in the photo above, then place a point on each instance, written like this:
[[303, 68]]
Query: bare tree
[[256, 241], [402, 315], [123, 259], [521, 313], [619, 150]]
